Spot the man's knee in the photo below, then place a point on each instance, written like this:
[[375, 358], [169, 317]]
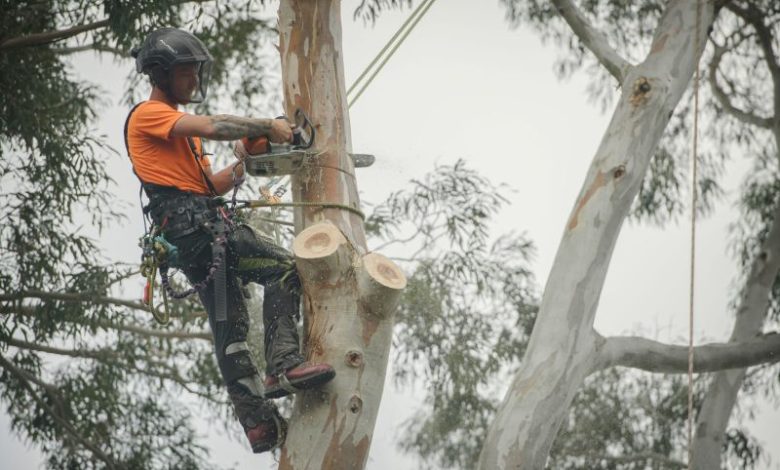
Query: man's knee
[[236, 362]]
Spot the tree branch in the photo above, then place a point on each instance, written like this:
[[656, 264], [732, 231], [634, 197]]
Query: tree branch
[[48, 37], [723, 97], [173, 376], [90, 47], [635, 458], [85, 353], [653, 356], [753, 16], [73, 297], [169, 373], [594, 40], [25, 380], [81, 297], [107, 325]]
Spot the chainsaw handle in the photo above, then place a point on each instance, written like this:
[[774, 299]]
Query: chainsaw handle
[[302, 123], [256, 145]]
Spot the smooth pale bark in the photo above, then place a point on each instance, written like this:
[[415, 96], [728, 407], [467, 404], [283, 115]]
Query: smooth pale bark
[[593, 39], [349, 294], [561, 350], [652, 356]]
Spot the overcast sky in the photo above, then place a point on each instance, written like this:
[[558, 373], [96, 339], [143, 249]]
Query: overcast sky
[[464, 85]]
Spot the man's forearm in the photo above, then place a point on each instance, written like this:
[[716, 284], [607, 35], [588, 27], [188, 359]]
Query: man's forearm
[[227, 127]]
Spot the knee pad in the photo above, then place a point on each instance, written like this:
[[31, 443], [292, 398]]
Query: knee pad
[[236, 363]]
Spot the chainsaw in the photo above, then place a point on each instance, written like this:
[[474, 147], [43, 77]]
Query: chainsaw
[[269, 159]]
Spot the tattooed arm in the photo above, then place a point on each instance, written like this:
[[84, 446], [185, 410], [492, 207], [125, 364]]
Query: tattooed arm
[[227, 127]]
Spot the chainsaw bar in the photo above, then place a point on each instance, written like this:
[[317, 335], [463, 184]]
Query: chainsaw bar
[[286, 159], [289, 161]]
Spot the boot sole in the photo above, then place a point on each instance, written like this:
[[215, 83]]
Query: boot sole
[[304, 383]]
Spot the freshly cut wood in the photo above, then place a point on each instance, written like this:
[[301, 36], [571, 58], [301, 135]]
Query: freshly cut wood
[[322, 253], [380, 282]]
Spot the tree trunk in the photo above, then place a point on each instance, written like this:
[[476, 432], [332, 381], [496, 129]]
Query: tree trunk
[[349, 295], [721, 395], [561, 351]]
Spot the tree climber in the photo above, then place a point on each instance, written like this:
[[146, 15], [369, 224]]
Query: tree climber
[[216, 252]]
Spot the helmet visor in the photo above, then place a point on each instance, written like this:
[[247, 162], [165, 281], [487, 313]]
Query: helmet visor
[[204, 74], [190, 81]]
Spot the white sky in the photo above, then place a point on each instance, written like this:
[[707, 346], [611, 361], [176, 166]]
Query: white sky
[[465, 85]]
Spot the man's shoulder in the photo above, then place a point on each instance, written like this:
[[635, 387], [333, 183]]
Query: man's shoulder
[[154, 106], [154, 118]]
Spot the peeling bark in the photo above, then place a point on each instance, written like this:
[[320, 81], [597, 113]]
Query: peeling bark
[[349, 294], [561, 350]]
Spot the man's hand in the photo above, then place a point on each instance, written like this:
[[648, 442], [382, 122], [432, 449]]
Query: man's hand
[[281, 131], [239, 150]]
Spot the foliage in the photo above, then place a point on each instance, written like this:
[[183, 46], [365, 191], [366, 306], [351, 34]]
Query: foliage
[[624, 419], [84, 375], [467, 310], [739, 64], [86, 380]]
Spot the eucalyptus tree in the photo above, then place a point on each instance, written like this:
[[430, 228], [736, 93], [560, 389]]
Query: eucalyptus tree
[[56, 280], [650, 49], [648, 52], [86, 377]]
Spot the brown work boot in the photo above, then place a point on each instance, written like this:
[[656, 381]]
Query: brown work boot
[[301, 377], [267, 435]]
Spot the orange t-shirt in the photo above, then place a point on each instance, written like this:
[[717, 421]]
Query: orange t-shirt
[[159, 158]]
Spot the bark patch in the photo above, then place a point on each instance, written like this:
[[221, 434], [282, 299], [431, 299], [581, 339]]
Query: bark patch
[[599, 182], [370, 325], [641, 92], [332, 414], [659, 44], [354, 358], [343, 452], [315, 338]]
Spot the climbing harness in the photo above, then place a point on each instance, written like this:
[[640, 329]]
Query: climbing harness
[[158, 254], [183, 217]]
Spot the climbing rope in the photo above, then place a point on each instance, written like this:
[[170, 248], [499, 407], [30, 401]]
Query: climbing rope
[[403, 31], [253, 204], [694, 201]]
